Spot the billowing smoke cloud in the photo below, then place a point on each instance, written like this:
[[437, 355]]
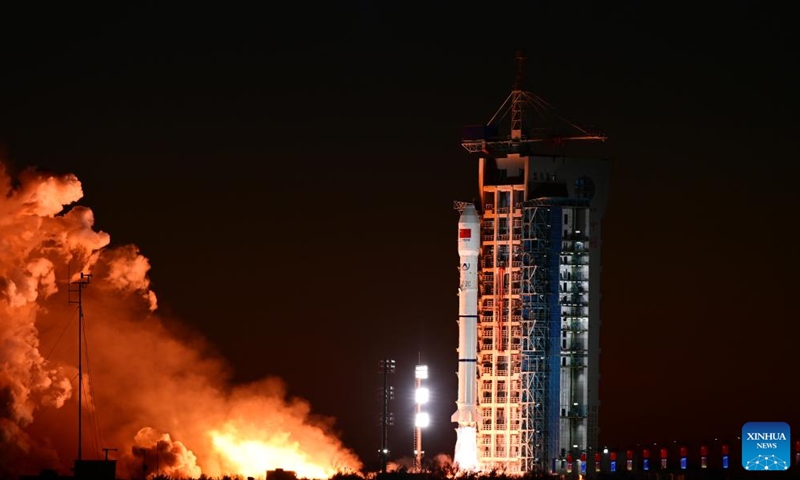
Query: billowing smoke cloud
[[157, 395]]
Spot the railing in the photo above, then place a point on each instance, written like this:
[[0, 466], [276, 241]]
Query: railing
[[574, 278], [576, 237], [576, 327], [574, 262], [573, 303], [579, 411], [575, 289], [575, 364]]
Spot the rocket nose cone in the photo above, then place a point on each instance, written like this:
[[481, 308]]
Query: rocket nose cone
[[469, 214]]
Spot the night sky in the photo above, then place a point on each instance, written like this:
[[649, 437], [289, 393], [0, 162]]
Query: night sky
[[290, 173]]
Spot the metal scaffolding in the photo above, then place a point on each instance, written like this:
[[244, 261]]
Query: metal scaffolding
[[537, 375]]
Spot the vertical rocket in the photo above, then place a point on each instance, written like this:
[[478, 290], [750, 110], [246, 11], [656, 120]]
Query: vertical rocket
[[466, 452]]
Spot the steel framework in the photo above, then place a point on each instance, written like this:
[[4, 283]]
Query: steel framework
[[536, 431]]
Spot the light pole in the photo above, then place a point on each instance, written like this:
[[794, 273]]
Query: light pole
[[387, 366], [421, 419]]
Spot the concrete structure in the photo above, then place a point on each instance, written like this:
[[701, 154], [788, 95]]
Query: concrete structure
[[538, 297]]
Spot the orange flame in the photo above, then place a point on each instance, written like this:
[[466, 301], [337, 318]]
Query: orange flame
[[251, 457]]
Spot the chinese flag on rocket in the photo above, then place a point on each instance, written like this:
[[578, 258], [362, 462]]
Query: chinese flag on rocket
[[464, 232]]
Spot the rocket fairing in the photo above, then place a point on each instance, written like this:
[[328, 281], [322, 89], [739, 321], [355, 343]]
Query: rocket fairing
[[466, 454]]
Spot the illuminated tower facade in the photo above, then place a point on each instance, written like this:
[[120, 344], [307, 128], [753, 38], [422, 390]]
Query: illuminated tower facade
[[539, 296]]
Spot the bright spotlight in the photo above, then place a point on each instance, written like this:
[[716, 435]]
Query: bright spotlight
[[422, 395], [421, 372], [422, 420]]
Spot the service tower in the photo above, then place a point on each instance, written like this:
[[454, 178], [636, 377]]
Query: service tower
[[538, 302]]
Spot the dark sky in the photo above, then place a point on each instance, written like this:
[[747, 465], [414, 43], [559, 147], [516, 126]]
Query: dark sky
[[290, 175]]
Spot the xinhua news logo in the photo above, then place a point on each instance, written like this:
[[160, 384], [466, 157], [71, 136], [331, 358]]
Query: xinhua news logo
[[766, 446]]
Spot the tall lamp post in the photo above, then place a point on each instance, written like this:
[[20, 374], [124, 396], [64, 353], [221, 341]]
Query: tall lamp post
[[421, 419], [387, 419]]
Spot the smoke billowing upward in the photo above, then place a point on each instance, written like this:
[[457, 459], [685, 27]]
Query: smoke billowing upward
[[158, 396]]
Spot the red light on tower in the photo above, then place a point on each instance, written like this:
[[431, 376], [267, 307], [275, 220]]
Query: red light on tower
[[629, 462], [583, 457], [703, 456], [569, 463], [725, 450], [597, 459], [663, 458]]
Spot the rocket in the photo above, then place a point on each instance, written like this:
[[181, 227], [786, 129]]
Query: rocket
[[466, 452]]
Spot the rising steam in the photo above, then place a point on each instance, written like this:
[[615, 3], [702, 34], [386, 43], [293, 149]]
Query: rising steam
[[159, 397]]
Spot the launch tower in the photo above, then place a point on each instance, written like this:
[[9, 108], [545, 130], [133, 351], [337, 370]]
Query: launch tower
[[538, 291]]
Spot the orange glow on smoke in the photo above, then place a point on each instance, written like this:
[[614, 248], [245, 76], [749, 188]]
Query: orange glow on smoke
[[159, 396]]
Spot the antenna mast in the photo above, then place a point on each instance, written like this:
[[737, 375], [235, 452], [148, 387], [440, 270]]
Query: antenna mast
[[77, 287], [517, 95], [485, 139]]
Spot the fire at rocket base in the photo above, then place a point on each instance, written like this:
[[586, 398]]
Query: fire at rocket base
[[466, 451]]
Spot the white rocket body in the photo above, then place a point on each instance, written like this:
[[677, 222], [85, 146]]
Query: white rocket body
[[466, 453]]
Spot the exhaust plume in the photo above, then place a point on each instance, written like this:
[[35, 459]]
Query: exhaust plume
[[159, 397]]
